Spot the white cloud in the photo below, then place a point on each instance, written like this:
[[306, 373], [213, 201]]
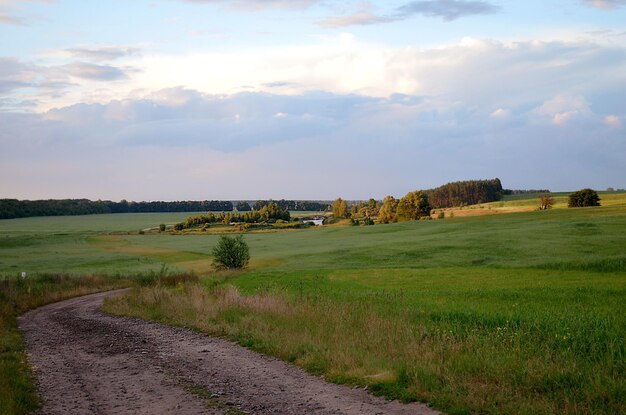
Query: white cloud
[[613, 121], [501, 113], [564, 108], [606, 4]]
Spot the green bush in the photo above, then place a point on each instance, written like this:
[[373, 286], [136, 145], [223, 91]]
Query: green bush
[[584, 198], [231, 253]]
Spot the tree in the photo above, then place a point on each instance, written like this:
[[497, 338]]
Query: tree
[[340, 209], [545, 202], [387, 212], [243, 207], [413, 206], [231, 253], [583, 198]]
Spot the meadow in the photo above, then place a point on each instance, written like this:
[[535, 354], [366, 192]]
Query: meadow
[[501, 313]]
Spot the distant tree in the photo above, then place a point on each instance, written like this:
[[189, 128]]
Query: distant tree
[[231, 253], [413, 206], [387, 212], [340, 209], [162, 227], [545, 202], [584, 198], [243, 207]]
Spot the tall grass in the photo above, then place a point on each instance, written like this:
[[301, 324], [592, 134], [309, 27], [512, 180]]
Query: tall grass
[[18, 295], [497, 343]]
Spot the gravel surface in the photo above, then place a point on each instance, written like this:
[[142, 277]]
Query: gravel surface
[[87, 362]]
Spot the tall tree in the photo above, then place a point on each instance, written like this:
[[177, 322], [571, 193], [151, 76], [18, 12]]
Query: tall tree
[[387, 212], [413, 206], [340, 209]]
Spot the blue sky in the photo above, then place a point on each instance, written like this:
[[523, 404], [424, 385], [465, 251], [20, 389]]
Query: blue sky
[[308, 99]]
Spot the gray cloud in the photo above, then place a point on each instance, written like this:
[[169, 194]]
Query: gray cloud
[[271, 146], [103, 53], [94, 72], [447, 9], [605, 4], [361, 18]]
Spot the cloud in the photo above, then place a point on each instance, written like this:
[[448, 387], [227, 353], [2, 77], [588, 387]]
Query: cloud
[[564, 108], [613, 121], [8, 17], [447, 9], [501, 114], [94, 72], [260, 4], [103, 53], [178, 143], [605, 4], [12, 20], [362, 18]]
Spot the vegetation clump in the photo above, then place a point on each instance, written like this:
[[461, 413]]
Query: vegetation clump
[[584, 198], [546, 202], [231, 253]]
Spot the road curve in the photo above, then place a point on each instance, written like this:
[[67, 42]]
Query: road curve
[[87, 362]]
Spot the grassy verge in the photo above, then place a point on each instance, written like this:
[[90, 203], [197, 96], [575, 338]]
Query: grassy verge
[[466, 341], [17, 295]]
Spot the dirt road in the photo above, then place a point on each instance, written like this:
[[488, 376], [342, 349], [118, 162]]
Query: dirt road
[[87, 362]]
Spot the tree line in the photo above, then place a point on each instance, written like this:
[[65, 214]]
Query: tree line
[[14, 208], [463, 193], [293, 205]]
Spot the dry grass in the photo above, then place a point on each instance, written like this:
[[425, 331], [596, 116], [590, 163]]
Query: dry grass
[[392, 353]]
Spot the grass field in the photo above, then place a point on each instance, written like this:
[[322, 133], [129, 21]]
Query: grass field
[[503, 313]]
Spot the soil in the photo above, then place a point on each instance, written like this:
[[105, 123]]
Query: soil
[[88, 362]]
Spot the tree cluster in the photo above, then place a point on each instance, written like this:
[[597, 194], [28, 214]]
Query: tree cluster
[[365, 210], [413, 206], [294, 205], [469, 192], [524, 191], [269, 213], [584, 198], [13, 208]]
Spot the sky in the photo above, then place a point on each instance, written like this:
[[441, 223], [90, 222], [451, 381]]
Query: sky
[[308, 99]]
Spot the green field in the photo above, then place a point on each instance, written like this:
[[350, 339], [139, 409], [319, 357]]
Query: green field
[[503, 313]]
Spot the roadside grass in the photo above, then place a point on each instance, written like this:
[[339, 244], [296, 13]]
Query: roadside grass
[[17, 295], [502, 314], [464, 340]]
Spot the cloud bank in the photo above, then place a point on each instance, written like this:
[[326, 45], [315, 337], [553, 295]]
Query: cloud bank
[[288, 122]]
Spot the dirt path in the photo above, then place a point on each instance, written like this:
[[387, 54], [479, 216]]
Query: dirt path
[[87, 362]]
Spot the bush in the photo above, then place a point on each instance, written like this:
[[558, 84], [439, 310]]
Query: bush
[[584, 198], [162, 227], [231, 253]]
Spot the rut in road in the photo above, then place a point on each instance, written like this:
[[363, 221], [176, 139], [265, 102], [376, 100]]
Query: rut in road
[[87, 362]]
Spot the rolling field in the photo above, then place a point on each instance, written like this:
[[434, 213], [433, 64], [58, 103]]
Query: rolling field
[[503, 313]]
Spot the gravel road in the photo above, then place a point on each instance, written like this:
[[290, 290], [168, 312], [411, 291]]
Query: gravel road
[[87, 362]]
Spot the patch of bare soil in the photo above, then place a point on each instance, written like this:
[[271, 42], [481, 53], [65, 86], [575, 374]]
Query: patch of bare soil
[[87, 362]]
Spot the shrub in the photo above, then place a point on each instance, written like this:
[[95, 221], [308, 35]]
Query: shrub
[[231, 253], [162, 227], [545, 202], [584, 198]]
